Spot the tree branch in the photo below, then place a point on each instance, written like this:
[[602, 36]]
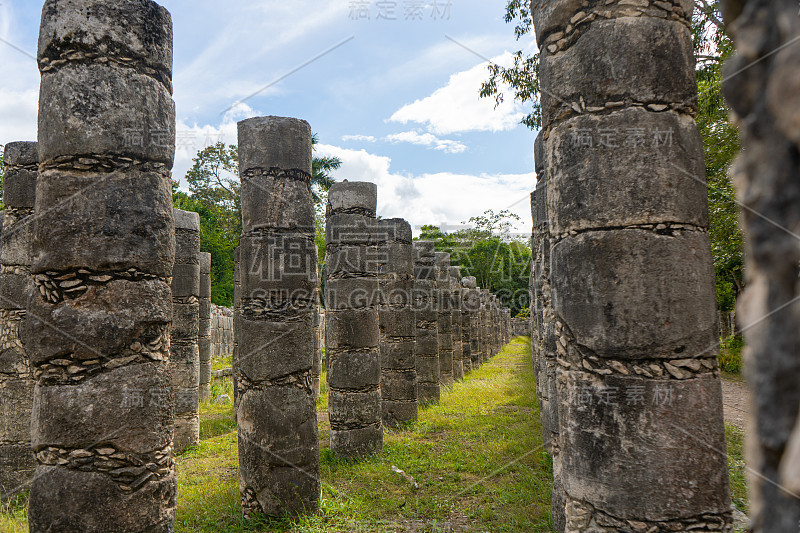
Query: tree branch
[[710, 13]]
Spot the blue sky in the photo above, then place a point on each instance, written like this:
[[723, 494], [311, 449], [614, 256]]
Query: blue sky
[[395, 96]]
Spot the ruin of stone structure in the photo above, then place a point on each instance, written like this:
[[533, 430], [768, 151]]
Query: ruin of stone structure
[[17, 463], [427, 315], [98, 322], [631, 270], [397, 322], [277, 301], [204, 330], [760, 85], [184, 365], [444, 303], [352, 333]]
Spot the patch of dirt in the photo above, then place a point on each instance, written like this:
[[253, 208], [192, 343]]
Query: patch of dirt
[[736, 402]]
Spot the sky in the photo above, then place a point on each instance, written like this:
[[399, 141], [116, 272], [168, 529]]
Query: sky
[[389, 86]]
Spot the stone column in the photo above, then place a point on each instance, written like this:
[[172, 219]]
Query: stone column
[[486, 326], [445, 319], [632, 278], [455, 304], [17, 463], [471, 324], [397, 322], [762, 89], [316, 369], [427, 332], [204, 341], [352, 332], [98, 324], [277, 302], [185, 354], [237, 325], [466, 329], [472, 304]]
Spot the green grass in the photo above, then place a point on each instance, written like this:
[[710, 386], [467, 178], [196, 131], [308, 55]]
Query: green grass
[[221, 362], [476, 459], [737, 467]]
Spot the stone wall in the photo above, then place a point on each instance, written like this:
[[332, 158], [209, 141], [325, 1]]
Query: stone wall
[[222, 331], [520, 327]]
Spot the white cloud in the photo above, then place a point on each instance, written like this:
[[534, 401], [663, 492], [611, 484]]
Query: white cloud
[[456, 107], [19, 110], [443, 199], [359, 138], [428, 139], [192, 138]]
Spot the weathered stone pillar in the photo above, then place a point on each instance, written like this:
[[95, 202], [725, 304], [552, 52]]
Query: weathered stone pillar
[[472, 304], [486, 326], [445, 319], [632, 278], [352, 331], [427, 332], [184, 362], [204, 341], [17, 463], [316, 368], [397, 322], [277, 303], [761, 87], [455, 304], [98, 323], [237, 324], [466, 329]]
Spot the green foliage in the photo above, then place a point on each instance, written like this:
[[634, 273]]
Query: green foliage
[[525, 312], [737, 467], [215, 194], [730, 354], [487, 251], [713, 47], [523, 76]]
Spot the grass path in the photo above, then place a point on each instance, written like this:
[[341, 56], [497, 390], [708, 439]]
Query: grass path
[[473, 463]]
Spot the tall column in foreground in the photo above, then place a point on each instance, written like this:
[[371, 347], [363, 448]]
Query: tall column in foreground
[[761, 86], [352, 331], [633, 283], [397, 322], [17, 463], [427, 314], [455, 306], [443, 299], [277, 300], [185, 354], [204, 341], [98, 323]]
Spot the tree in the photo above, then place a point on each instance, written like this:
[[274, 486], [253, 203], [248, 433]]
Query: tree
[[215, 194], [487, 251], [712, 47]]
